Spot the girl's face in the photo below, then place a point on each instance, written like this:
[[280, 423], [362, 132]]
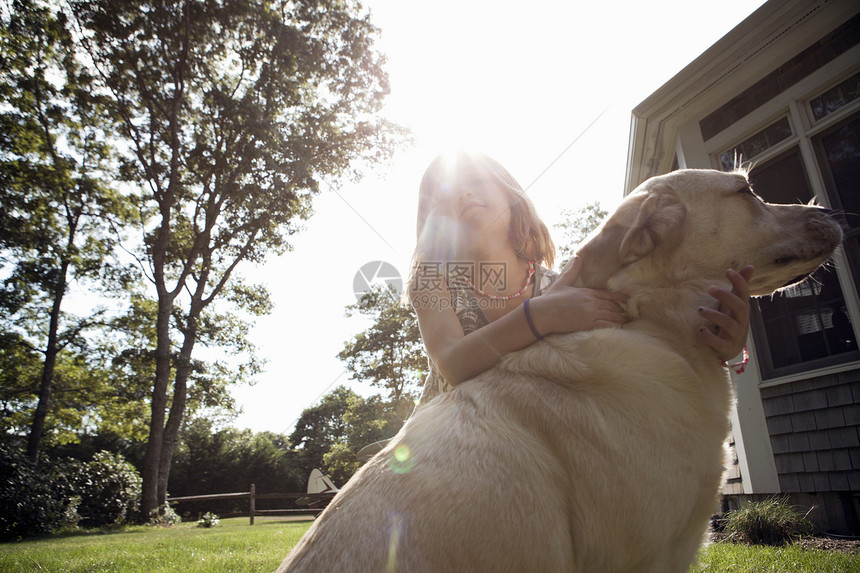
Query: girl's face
[[478, 200]]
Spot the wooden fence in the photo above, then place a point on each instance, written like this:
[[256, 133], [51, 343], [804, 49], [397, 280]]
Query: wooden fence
[[253, 496]]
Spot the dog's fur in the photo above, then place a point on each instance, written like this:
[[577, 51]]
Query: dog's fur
[[592, 451]]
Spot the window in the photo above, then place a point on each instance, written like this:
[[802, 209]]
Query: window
[[809, 326]]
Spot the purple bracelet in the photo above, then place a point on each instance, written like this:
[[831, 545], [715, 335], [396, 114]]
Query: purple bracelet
[[534, 330]]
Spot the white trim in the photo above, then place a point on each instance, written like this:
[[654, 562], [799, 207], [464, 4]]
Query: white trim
[[752, 438], [808, 374]]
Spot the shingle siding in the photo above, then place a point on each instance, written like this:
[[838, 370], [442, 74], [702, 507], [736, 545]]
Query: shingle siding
[[814, 428]]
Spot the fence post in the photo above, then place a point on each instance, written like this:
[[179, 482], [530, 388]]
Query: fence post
[[253, 491]]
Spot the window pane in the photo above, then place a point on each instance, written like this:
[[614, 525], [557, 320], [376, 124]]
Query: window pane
[[838, 153], [836, 98], [757, 144], [805, 326], [782, 180]]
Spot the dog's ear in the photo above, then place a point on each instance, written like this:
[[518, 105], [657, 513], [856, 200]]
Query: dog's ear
[[661, 216]]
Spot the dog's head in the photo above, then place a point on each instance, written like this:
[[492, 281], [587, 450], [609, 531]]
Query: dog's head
[[694, 224]]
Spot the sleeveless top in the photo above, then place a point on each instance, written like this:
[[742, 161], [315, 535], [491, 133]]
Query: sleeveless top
[[467, 307]]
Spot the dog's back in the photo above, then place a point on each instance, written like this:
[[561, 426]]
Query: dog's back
[[534, 466]]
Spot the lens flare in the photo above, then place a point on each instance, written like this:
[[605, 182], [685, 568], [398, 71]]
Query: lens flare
[[401, 453], [400, 459], [440, 235], [395, 532]]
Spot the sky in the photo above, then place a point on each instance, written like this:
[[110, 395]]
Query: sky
[[546, 87]]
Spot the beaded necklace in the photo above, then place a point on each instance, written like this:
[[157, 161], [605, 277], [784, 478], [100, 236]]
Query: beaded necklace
[[510, 296]]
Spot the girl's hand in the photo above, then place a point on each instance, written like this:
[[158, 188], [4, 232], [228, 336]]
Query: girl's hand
[[732, 320], [565, 308]]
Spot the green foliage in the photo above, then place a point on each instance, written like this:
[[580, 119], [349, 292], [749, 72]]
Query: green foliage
[[30, 505], [84, 391], [216, 121], [60, 211], [208, 520], [321, 426], [329, 435], [389, 354], [367, 420], [576, 227], [233, 111], [19, 368], [163, 516], [104, 491], [225, 460], [768, 522], [109, 491]]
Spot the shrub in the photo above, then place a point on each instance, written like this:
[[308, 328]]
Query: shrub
[[30, 505], [163, 516], [109, 490], [769, 522], [209, 519]]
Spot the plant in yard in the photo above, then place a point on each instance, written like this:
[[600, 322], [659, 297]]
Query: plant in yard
[[768, 522], [109, 490], [209, 519], [163, 516], [29, 504], [71, 517]]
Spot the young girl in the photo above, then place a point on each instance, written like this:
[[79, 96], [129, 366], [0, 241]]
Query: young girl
[[479, 285]]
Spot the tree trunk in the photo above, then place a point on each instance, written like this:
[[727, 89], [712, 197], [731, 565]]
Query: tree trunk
[[177, 408], [171, 435], [149, 488], [37, 429]]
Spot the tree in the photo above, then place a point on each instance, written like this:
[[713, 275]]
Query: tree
[[234, 112], [80, 391], [367, 420], [221, 460], [59, 211], [330, 434], [128, 345], [576, 227], [321, 426], [389, 354]]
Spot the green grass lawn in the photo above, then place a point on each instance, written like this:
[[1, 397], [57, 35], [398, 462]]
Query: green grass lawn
[[233, 546], [759, 559], [236, 547]]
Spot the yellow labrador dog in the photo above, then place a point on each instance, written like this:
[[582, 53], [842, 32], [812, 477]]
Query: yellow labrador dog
[[593, 451]]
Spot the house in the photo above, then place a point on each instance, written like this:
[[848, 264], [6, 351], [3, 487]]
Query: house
[[782, 92]]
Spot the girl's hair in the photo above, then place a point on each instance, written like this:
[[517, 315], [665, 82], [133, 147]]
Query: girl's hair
[[436, 234]]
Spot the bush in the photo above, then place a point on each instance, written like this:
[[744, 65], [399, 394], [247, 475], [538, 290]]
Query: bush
[[30, 505], [36, 501], [109, 490], [209, 519], [769, 522], [163, 516]]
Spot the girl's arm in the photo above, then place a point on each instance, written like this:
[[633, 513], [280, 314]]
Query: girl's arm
[[461, 356]]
